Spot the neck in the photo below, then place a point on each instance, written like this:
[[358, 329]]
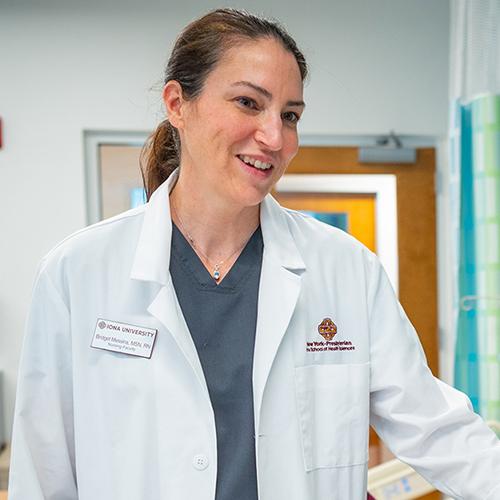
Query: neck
[[218, 227]]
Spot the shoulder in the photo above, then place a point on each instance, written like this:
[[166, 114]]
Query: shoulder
[[312, 234], [105, 239], [330, 252]]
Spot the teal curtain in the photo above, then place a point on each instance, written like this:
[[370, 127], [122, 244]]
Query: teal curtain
[[466, 360], [477, 354]]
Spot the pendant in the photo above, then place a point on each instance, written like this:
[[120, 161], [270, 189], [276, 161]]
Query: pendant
[[216, 275]]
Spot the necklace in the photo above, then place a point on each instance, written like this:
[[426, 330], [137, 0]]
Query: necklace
[[216, 267]]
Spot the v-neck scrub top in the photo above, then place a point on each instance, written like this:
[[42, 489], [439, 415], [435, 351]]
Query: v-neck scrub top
[[222, 320]]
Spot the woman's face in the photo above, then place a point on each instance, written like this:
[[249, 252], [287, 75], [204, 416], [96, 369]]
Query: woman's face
[[239, 135]]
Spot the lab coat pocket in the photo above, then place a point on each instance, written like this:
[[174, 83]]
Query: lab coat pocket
[[333, 410]]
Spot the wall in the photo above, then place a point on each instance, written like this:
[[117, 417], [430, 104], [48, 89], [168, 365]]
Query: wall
[[67, 67]]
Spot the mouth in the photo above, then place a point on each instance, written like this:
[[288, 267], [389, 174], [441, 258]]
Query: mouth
[[254, 163]]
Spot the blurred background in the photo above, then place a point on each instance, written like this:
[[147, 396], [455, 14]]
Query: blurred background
[[400, 146]]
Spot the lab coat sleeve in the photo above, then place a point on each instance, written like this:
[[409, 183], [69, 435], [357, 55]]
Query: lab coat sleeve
[[425, 422], [43, 455]]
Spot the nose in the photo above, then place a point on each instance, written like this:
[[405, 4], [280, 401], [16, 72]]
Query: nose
[[270, 132]]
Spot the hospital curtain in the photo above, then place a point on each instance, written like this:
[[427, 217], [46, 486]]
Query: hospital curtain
[[475, 159], [477, 360]]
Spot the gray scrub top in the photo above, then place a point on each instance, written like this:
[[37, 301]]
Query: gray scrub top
[[222, 320]]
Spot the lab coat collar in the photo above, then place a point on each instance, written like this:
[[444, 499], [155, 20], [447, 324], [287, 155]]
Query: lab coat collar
[[278, 240], [152, 257]]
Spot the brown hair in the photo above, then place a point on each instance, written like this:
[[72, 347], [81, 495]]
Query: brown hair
[[196, 52]]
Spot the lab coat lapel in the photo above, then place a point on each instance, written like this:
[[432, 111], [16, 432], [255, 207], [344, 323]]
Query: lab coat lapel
[[280, 284], [152, 264], [165, 307]]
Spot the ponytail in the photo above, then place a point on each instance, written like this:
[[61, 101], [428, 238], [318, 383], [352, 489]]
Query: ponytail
[[159, 156]]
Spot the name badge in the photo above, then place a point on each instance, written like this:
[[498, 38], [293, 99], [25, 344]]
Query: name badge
[[121, 337]]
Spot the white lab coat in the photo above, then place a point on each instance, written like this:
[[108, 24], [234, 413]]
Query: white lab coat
[[97, 425]]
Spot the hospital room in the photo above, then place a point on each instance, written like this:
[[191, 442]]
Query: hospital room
[[250, 250]]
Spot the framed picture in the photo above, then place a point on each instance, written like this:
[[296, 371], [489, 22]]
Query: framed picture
[[112, 173]]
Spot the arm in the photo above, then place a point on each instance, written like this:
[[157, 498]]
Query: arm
[[43, 455], [426, 423]]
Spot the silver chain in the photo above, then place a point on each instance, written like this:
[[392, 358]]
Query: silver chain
[[216, 268]]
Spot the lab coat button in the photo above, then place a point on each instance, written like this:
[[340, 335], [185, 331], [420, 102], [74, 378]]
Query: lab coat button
[[200, 462]]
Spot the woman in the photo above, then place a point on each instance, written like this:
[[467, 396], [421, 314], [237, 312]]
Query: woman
[[214, 345]]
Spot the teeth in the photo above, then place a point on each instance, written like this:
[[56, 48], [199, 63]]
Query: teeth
[[256, 163]]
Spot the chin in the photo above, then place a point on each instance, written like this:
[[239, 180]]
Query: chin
[[251, 200], [248, 203]]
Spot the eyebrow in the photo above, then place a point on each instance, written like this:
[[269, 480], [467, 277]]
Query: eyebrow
[[265, 92]]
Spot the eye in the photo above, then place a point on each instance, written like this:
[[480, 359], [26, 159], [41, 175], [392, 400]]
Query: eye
[[247, 102], [291, 117]]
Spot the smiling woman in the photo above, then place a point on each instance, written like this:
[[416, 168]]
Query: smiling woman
[[235, 389]]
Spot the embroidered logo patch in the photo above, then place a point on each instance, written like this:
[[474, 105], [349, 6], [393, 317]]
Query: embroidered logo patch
[[327, 329]]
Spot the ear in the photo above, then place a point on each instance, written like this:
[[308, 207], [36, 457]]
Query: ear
[[174, 103]]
